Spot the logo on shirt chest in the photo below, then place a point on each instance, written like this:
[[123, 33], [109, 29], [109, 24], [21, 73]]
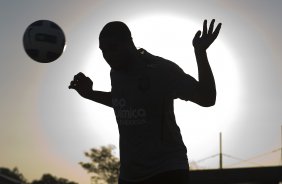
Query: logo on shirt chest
[[126, 115]]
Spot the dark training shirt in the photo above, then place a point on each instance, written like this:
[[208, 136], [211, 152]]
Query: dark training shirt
[[150, 140]]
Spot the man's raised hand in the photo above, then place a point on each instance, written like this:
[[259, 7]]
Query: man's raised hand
[[208, 36], [82, 84]]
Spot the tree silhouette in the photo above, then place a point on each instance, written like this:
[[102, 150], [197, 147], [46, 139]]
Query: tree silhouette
[[13, 175], [104, 165], [49, 179]]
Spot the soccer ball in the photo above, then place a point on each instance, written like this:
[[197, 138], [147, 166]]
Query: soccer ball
[[44, 41]]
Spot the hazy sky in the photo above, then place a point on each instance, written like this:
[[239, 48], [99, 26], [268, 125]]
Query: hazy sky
[[45, 127]]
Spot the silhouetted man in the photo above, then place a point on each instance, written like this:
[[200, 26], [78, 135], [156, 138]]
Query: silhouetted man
[[143, 89]]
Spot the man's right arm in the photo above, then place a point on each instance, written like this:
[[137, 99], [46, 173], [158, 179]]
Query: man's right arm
[[83, 85], [101, 97]]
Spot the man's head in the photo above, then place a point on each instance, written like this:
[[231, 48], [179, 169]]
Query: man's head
[[116, 44]]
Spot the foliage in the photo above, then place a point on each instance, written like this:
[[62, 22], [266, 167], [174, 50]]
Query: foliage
[[13, 174], [49, 179], [18, 177], [104, 165]]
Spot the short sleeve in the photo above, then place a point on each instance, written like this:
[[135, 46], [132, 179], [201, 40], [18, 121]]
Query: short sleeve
[[181, 85], [177, 83]]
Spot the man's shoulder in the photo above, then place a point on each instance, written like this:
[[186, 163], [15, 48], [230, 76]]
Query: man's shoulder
[[156, 61]]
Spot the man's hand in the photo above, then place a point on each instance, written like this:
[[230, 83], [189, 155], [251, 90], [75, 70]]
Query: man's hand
[[82, 84], [208, 36]]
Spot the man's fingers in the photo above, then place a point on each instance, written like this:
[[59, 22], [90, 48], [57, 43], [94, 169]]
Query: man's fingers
[[198, 34], [73, 85], [78, 81], [205, 27], [78, 76], [81, 74], [216, 31], [211, 26], [196, 37]]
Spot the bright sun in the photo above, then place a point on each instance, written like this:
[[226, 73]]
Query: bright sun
[[171, 37]]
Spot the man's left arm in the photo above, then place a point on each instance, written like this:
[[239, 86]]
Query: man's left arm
[[205, 91]]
